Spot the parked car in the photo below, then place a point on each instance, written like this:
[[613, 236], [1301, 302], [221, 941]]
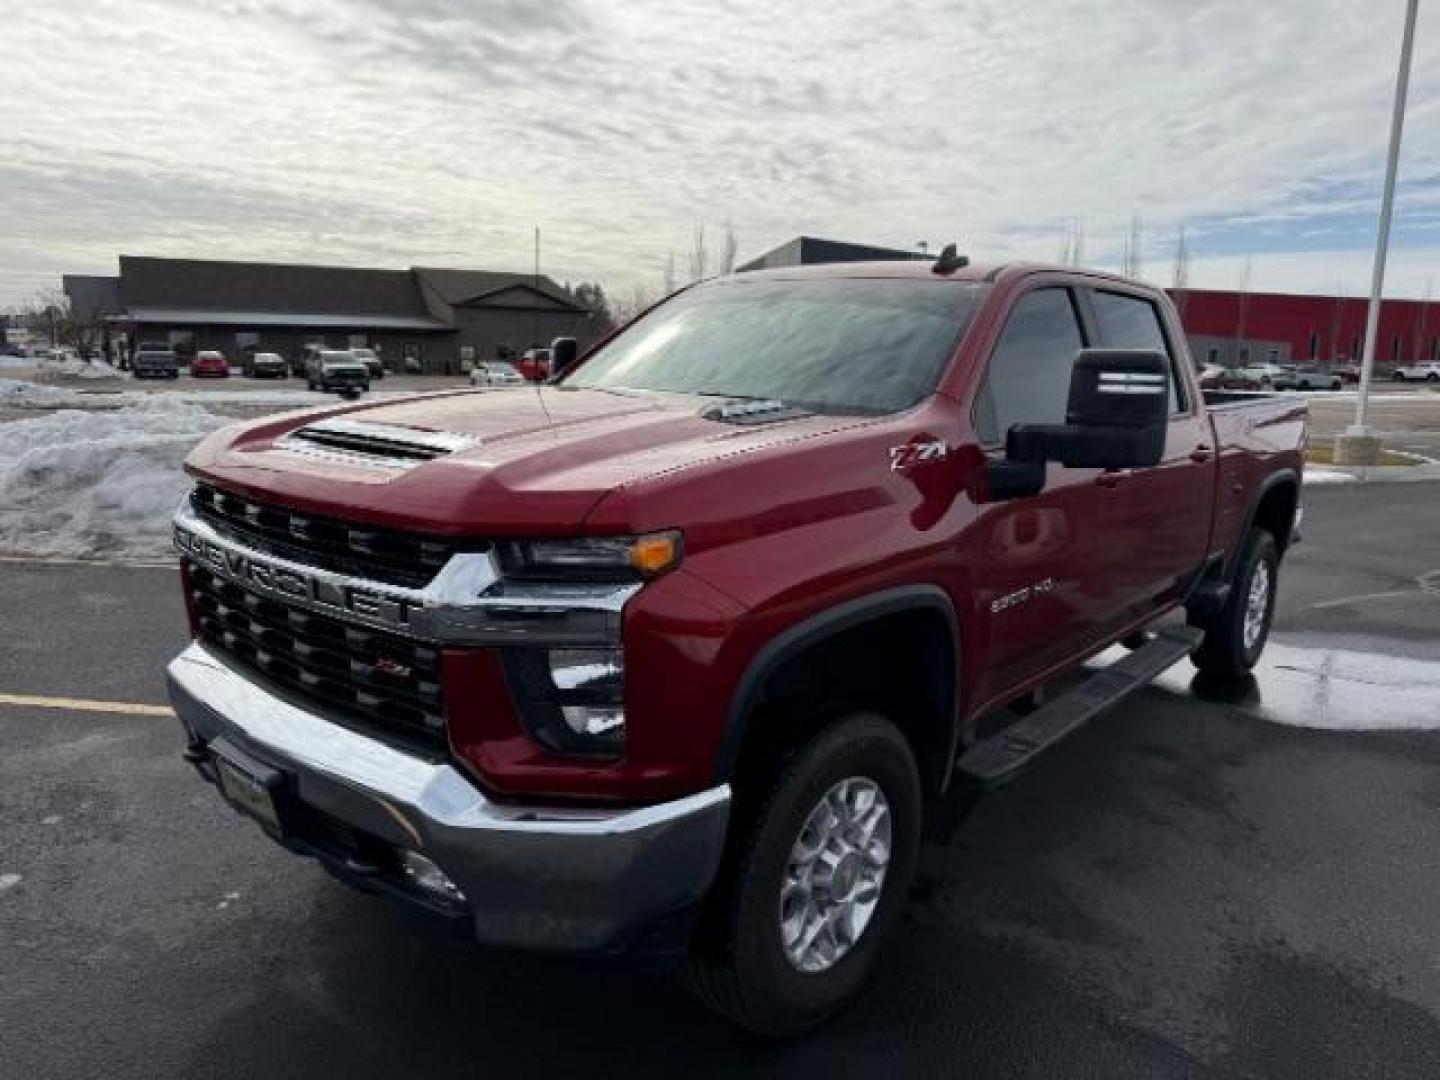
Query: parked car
[[1266, 374], [371, 359], [209, 362], [534, 365], [336, 369], [266, 365], [1215, 377], [1430, 372], [1310, 377], [628, 663], [153, 361], [1349, 373], [495, 373]]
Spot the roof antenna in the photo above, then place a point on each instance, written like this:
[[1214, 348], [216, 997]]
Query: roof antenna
[[950, 260]]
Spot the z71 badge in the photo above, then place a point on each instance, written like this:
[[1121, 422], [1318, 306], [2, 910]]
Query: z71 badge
[[916, 452]]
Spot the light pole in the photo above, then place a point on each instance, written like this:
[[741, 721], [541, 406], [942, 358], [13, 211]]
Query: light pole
[[1359, 446]]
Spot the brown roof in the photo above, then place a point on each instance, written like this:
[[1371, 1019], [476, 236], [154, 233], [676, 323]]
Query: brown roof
[[462, 286], [209, 285]]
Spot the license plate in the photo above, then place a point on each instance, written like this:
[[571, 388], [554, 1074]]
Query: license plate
[[248, 794]]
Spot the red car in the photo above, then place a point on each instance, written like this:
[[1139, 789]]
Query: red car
[[682, 655], [209, 362], [534, 365]]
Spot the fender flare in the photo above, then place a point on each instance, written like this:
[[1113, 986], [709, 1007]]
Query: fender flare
[[809, 632], [1270, 483]]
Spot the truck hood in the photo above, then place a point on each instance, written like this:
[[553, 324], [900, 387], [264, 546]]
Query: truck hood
[[523, 461]]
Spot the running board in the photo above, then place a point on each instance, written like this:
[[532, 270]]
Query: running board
[[996, 760]]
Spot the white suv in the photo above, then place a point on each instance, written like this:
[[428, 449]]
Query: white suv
[[1429, 372]]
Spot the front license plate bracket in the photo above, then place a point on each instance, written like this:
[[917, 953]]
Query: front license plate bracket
[[249, 785]]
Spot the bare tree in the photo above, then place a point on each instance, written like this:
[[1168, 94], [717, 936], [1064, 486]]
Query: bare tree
[[1243, 307], [627, 309], [1181, 278], [1134, 239], [1337, 317], [1417, 351], [730, 250], [1182, 259], [699, 257], [669, 283], [1072, 242]]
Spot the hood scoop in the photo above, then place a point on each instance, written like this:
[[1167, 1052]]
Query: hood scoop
[[377, 444], [754, 411]]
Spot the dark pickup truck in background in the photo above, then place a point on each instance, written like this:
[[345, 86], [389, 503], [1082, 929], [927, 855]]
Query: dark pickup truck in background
[[684, 653]]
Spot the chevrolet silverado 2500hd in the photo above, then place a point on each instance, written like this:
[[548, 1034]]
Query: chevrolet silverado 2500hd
[[680, 653]]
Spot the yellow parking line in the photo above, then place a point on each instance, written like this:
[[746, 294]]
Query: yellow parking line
[[63, 560], [85, 705]]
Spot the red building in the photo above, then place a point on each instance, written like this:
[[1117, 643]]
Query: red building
[[1235, 329]]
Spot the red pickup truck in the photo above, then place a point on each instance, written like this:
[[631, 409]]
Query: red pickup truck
[[684, 653]]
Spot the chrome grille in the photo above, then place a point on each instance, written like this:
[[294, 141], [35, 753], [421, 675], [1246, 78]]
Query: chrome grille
[[396, 558], [379, 682]]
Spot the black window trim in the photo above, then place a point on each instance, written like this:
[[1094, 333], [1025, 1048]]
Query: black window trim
[[1082, 322], [1186, 407]]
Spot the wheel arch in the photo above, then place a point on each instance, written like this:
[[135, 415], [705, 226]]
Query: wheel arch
[[1273, 508], [921, 609]]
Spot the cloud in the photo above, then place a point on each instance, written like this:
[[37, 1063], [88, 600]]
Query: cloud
[[443, 131]]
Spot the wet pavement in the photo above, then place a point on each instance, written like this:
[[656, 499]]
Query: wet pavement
[[1193, 886]]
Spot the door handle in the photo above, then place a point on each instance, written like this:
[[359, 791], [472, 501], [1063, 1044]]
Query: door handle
[[1201, 454]]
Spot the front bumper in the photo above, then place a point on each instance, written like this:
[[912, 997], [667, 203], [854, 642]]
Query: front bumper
[[545, 878]]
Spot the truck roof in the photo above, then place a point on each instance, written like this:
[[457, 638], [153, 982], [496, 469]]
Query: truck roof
[[984, 273]]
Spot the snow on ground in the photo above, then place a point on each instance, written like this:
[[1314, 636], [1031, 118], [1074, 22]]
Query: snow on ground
[[1340, 690], [99, 484], [1315, 475], [21, 392]]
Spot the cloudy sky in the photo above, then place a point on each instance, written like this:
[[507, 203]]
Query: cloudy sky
[[442, 132]]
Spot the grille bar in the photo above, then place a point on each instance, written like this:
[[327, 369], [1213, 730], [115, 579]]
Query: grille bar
[[386, 555], [381, 682]]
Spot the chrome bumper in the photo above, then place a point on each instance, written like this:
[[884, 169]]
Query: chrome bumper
[[544, 878]]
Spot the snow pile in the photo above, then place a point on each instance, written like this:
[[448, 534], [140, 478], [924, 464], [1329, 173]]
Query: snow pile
[[96, 369], [100, 484], [19, 392]]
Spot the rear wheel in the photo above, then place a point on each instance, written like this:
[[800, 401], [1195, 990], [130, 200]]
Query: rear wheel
[[818, 869], [1234, 643]]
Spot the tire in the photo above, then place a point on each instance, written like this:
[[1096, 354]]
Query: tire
[[739, 964], [1234, 643], [1432, 377], [1399, 376]]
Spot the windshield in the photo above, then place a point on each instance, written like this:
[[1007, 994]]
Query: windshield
[[862, 345]]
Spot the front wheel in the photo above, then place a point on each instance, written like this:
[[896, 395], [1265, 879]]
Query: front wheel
[[819, 866], [1234, 642]]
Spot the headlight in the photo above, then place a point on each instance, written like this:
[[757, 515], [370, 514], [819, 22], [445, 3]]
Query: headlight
[[623, 558], [571, 699]]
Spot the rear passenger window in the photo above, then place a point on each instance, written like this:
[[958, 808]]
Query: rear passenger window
[[1028, 380], [1128, 322]]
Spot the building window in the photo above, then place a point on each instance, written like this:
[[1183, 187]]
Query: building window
[[1355, 348], [1212, 354], [1273, 355], [359, 341], [1314, 345], [1244, 355], [1395, 347], [1435, 350]]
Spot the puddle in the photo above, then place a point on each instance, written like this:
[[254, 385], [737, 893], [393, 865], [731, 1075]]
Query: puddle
[[1327, 688]]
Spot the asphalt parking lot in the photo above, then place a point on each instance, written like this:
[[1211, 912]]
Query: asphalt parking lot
[[1188, 888]]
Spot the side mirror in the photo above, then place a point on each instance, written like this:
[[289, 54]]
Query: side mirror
[[564, 351], [1116, 419]]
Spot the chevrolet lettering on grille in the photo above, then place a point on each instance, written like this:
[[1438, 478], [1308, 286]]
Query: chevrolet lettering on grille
[[289, 584]]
